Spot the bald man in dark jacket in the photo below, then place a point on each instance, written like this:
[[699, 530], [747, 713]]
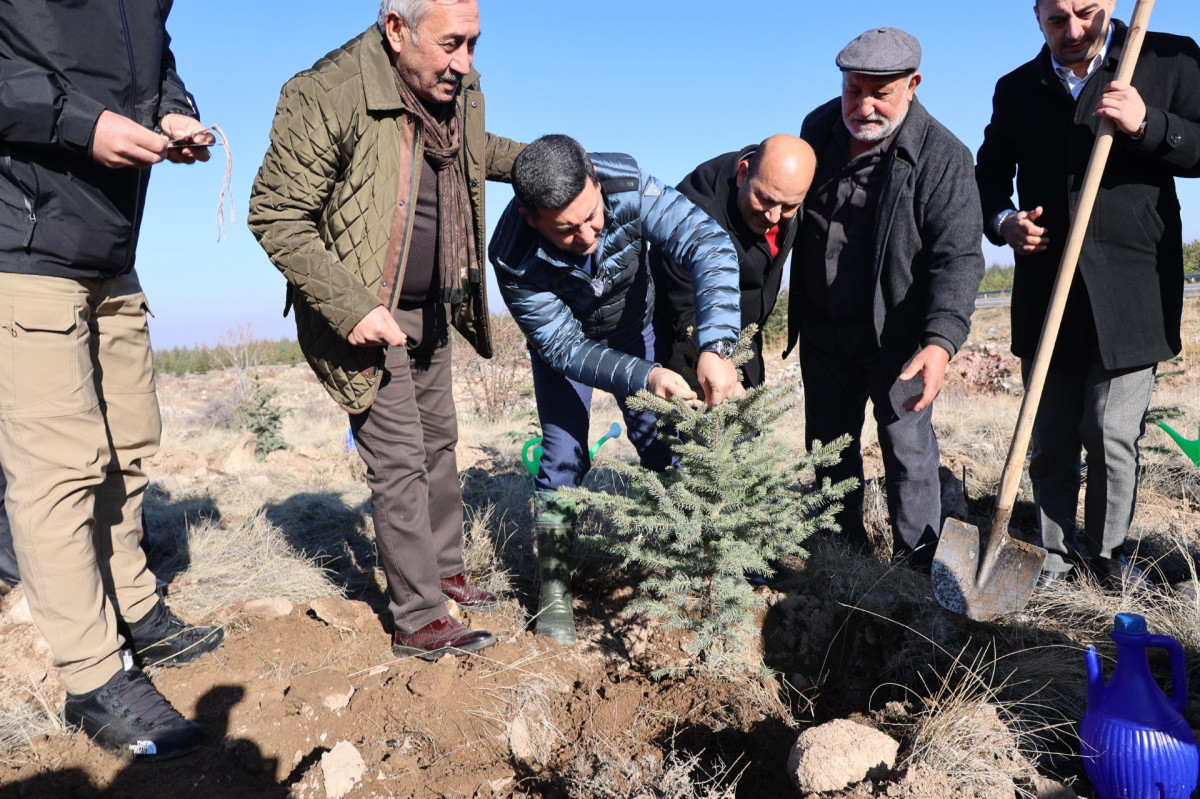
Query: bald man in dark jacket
[[754, 195]]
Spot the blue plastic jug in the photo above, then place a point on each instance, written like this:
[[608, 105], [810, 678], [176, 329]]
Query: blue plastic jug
[[1134, 740]]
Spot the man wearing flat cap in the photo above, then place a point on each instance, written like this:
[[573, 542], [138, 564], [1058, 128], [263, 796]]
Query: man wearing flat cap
[[884, 274]]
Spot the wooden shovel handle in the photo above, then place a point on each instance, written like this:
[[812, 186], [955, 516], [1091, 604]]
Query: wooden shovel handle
[[1010, 481]]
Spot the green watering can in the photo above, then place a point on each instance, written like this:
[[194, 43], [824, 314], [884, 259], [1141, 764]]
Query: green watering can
[[531, 453], [1190, 448]]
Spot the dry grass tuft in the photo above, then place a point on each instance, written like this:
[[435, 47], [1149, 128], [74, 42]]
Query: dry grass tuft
[[604, 772], [220, 566], [482, 552], [968, 731], [23, 718]]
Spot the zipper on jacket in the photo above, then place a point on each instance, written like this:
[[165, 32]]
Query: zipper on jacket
[[132, 64], [137, 197], [30, 208]]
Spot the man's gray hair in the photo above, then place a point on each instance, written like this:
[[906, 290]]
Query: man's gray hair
[[551, 172], [411, 11]]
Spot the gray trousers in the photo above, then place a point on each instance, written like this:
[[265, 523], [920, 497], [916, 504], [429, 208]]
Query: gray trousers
[[407, 438], [1086, 408]]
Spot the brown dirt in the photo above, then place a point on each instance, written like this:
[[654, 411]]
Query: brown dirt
[[525, 717]]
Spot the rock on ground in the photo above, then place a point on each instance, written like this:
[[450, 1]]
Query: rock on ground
[[270, 608], [1046, 788], [342, 768], [838, 754]]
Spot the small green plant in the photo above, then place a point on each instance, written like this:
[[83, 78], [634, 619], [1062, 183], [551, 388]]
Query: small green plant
[[259, 415], [736, 503]]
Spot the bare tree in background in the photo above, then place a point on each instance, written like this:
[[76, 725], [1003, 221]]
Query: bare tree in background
[[242, 354], [498, 381]]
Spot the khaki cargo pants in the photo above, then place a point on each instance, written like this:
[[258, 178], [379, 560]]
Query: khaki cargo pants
[[78, 414]]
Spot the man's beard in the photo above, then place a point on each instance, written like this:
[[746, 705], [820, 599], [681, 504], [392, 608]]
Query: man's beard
[[877, 127]]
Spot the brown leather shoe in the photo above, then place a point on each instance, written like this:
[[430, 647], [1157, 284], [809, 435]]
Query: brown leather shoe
[[467, 595], [442, 636]]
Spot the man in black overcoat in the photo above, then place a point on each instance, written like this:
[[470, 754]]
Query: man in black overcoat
[[1123, 311]]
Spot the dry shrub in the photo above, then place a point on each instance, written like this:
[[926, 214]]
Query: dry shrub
[[242, 354], [481, 550], [498, 386], [226, 565], [23, 718], [1088, 610], [968, 731], [604, 772]]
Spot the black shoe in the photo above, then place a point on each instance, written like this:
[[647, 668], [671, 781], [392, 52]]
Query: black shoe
[[1117, 572], [161, 639], [1050, 577], [128, 715], [756, 579]]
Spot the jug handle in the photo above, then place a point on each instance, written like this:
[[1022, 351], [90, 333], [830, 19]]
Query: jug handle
[[1179, 677]]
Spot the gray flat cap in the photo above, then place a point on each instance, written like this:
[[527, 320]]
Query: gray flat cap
[[881, 51]]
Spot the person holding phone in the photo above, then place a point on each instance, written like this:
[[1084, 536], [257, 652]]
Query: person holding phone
[[78, 409]]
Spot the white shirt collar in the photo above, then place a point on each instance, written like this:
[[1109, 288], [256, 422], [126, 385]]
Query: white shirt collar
[[1073, 82]]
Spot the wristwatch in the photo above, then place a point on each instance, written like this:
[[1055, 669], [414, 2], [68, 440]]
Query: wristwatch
[[998, 220], [722, 346]]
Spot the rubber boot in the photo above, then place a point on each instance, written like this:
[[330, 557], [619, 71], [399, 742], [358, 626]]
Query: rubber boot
[[555, 531]]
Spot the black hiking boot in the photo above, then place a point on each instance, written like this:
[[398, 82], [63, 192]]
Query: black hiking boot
[[161, 639], [127, 715]]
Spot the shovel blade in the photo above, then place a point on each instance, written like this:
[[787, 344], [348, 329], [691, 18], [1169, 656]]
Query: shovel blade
[[960, 585]]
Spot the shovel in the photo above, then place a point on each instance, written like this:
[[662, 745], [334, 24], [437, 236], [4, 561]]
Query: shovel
[[984, 574]]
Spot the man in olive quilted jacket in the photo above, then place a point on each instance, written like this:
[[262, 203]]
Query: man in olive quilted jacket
[[370, 201]]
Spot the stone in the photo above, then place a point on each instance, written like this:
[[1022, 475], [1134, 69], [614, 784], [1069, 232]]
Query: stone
[[343, 769], [240, 457], [1046, 788], [270, 608], [345, 614], [838, 754], [321, 689]]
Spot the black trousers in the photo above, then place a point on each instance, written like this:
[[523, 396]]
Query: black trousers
[[836, 389]]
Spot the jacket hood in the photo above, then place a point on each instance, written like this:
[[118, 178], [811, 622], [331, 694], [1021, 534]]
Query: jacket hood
[[712, 184], [514, 244]]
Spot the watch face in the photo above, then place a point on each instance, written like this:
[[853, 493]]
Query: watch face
[[724, 348]]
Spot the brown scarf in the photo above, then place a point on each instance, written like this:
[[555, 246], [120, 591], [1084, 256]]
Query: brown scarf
[[456, 258]]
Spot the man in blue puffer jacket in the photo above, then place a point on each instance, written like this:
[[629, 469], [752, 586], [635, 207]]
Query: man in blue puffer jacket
[[570, 254]]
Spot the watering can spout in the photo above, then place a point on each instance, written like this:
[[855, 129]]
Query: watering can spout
[[1189, 447], [1095, 678]]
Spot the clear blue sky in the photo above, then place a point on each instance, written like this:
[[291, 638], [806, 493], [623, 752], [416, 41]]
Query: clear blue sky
[[671, 82]]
